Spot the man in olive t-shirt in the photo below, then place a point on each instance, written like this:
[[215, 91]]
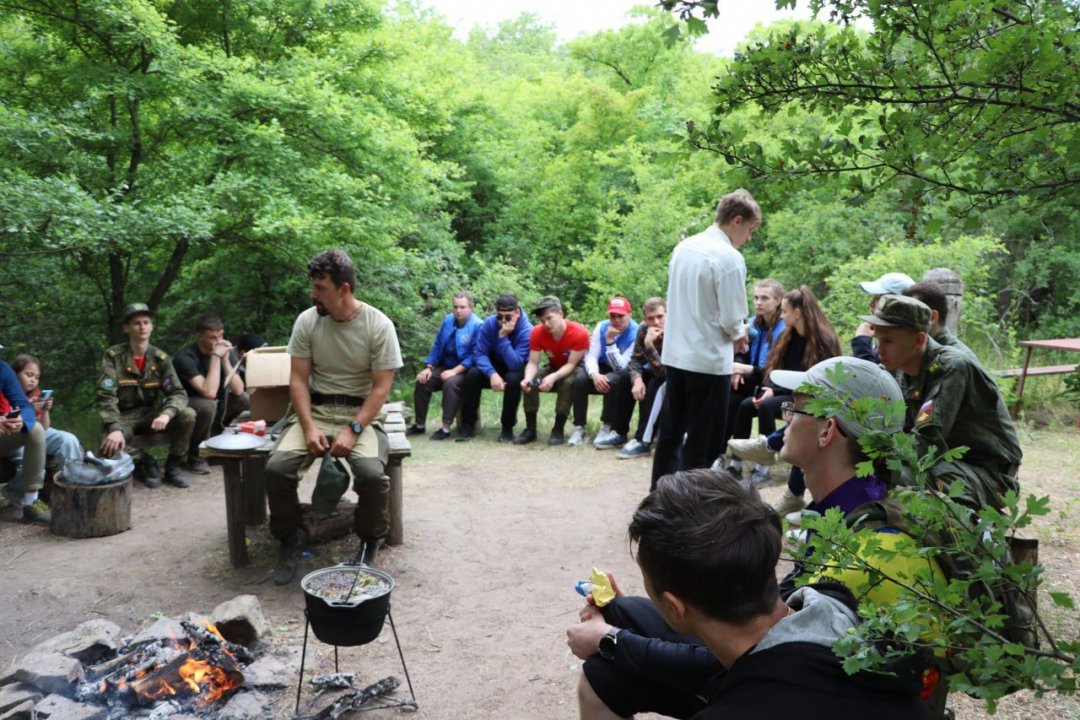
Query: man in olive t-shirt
[[343, 357]]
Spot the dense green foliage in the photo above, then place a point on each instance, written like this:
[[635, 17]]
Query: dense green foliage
[[194, 155]]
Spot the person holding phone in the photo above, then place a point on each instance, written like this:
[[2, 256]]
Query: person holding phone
[[61, 447], [19, 432]]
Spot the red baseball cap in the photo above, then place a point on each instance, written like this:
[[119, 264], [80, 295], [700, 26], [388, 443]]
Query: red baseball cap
[[619, 305]]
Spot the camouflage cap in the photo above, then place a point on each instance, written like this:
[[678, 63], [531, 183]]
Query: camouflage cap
[[548, 302], [136, 309], [900, 311]]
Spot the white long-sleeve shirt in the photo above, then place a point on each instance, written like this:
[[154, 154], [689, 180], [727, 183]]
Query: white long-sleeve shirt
[[706, 303], [599, 349]]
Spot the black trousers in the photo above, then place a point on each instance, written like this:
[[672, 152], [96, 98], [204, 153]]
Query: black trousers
[[766, 413], [476, 380], [695, 406], [652, 385], [615, 411]]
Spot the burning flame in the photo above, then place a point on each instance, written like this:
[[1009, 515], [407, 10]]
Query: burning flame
[[207, 681]]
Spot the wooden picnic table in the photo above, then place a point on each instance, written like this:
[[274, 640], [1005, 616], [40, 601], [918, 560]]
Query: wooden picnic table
[[1067, 344], [245, 490]]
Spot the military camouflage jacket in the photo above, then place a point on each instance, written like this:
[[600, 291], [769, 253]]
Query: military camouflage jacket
[[954, 402], [121, 388]]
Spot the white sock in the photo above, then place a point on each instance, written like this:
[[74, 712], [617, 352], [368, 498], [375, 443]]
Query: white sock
[[29, 498], [736, 464]]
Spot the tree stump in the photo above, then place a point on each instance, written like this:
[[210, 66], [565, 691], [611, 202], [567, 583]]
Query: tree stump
[[82, 511]]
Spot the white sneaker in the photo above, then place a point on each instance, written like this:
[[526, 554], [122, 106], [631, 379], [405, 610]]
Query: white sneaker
[[760, 475], [576, 437], [603, 434], [633, 449], [789, 502], [753, 450], [794, 519]]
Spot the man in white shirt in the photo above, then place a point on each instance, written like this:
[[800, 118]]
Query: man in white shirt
[[705, 326], [606, 363]]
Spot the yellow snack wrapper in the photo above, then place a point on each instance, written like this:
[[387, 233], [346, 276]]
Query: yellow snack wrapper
[[602, 592]]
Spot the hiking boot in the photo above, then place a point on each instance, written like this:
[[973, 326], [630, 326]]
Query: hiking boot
[[37, 513], [440, 434], [760, 476], [414, 429], [525, 437], [577, 436], [757, 451], [288, 558], [789, 502], [150, 472], [612, 441], [557, 437], [465, 434], [198, 465], [633, 449], [175, 475], [506, 435]]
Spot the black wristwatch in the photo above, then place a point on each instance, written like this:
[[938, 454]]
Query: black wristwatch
[[356, 426], [608, 643]]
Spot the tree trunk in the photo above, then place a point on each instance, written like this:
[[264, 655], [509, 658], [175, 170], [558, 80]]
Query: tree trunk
[[82, 511]]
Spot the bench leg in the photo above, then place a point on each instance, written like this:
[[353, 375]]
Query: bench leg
[[396, 536], [234, 510], [1020, 384]]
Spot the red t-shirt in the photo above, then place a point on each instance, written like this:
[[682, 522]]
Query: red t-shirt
[[576, 337]]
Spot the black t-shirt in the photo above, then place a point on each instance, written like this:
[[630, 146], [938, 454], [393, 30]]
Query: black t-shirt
[[190, 363]]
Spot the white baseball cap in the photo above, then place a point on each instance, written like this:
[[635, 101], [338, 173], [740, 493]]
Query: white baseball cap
[[888, 284]]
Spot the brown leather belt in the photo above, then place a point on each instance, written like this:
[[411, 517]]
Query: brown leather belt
[[346, 400]]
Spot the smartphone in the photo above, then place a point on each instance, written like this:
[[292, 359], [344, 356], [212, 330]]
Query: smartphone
[[759, 391], [13, 413], [46, 394]]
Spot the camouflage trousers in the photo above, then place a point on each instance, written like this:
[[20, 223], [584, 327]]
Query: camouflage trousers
[[983, 487], [137, 422]]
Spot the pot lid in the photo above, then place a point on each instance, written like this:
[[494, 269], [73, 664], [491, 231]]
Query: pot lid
[[237, 441]]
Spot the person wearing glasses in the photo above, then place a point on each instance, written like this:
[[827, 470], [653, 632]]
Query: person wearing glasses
[[499, 357]]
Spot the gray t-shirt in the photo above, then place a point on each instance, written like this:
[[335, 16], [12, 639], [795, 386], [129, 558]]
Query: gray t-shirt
[[343, 354]]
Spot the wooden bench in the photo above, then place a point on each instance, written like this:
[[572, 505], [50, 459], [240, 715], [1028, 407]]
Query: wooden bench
[[1066, 344], [1036, 371], [245, 490]]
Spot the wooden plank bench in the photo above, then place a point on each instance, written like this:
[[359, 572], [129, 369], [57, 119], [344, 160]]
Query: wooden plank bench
[[245, 491], [1066, 344], [1036, 371]]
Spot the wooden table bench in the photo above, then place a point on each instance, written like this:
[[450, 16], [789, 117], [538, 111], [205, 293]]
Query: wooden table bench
[[245, 491], [1067, 344]]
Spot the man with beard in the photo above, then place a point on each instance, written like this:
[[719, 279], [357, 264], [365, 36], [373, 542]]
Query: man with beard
[[343, 356]]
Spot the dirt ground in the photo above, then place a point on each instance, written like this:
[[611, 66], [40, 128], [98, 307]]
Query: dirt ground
[[496, 536]]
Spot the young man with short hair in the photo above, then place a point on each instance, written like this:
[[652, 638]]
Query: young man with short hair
[[705, 327], [565, 343], [646, 376], [343, 354], [951, 402], [139, 392], [445, 367], [203, 367], [893, 283], [499, 357], [933, 296], [606, 363]]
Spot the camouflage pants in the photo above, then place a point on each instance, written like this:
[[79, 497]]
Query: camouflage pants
[[563, 393], [137, 422], [982, 487]]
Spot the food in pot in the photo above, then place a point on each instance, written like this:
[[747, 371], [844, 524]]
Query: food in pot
[[333, 585]]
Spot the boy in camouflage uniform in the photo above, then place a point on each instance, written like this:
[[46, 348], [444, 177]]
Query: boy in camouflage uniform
[[951, 402], [138, 392]]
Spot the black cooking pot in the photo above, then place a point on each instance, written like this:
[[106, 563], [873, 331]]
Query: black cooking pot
[[347, 623]]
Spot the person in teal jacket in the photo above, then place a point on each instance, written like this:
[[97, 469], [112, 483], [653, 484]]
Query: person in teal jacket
[[445, 367]]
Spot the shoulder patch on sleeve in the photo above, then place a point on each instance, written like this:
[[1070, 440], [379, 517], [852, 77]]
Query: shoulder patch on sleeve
[[161, 354], [925, 414], [111, 352]]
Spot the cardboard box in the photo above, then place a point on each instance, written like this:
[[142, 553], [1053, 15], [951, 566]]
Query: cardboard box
[[268, 382]]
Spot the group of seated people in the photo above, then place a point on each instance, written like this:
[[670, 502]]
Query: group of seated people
[[141, 391], [619, 360]]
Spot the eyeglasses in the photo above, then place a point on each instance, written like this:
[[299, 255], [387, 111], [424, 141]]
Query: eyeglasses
[[788, 411], [504, 317]]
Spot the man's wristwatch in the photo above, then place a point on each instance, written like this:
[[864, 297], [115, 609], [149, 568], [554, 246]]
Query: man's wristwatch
[[608, 643], [356, 426]]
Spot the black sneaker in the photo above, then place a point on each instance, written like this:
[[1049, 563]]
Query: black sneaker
[[288, 558], [557, 437], [150, 472], [525, 437], [175, 475], [198, 465], [465, 435], [506, 436], [414, 430], [440, 434]]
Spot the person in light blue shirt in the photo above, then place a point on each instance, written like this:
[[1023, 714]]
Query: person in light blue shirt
[[445, 367]]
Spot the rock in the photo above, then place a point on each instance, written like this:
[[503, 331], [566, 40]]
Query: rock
[[90, 642], [245, 706], [163, 629], [19, 712], [240, 620], [57, 707], [271, 672], [16, 694], [197, 619], [51, 672]]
